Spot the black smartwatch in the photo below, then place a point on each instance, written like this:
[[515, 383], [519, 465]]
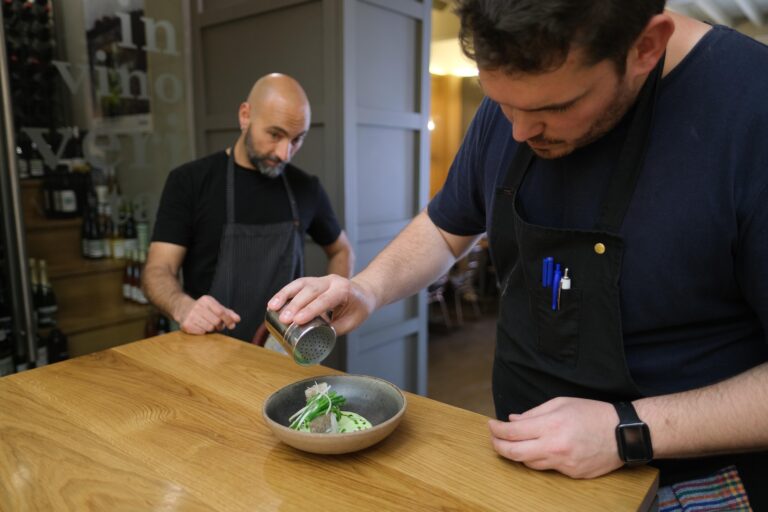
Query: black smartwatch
[[632, 436]]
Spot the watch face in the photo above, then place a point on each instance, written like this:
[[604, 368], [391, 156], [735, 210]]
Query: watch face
[[635, 443]]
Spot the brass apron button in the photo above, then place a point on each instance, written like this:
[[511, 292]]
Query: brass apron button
[[599, 248]]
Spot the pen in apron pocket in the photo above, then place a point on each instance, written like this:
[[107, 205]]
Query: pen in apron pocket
[[556, 288], [546, 271]]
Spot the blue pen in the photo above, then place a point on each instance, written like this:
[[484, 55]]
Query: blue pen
[[546, 271], [556, 287]]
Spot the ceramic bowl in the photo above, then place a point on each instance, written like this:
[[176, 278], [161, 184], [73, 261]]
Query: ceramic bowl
[[377, 400]]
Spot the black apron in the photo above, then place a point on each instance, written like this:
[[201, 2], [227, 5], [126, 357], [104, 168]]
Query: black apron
[[255, 261], [578, 349]]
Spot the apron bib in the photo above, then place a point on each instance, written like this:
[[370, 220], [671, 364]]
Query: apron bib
[[255, 261], [578, 349]]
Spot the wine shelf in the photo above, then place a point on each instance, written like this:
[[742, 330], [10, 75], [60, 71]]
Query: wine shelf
[[92, 311], [98, 317], [84, 267]]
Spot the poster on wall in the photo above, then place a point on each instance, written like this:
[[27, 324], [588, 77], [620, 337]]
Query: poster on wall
[[116, 49]]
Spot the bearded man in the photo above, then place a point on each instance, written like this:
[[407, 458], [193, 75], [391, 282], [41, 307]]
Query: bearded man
[[234, 221]]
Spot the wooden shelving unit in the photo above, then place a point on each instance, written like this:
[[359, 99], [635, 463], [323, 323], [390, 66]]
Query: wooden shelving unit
[[92, 311]]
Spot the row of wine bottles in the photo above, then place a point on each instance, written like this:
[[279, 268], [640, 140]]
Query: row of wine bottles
[[65, 154], [51, 342], [104, 237], [134, 268], [43, 298], [30, 49], [7, 342], [65, 184]]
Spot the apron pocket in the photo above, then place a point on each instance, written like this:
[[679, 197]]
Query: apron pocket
[[558, 331]]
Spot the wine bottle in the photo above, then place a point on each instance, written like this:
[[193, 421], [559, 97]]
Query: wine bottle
[[118, 242], [128, 277], [163, 324], [99, 181], [89, 211], [22, 156], [142, 227], [67, 193], [105, 229], [95, 242], [47, 307], [26, 11], [135, 277], [52, 183], [150, 326], [129, 231], [34, 283], [85, 250], [79, 163], [58, 346], [6, 336], [86, 234], [42, 352], [19, 361], [48, 190], [140, 298], [36, 169], [41, 355], [6, 355]]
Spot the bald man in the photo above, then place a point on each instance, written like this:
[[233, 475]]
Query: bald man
[[234, 221]]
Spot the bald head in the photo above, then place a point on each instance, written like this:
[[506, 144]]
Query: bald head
[[278, 90], [274, 121]]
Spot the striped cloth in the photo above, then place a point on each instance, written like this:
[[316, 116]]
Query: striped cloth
[[720, 491]]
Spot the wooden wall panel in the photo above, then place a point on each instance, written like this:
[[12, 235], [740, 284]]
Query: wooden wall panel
[[446, 114]]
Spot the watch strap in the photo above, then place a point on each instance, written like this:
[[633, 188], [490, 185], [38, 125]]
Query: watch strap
[[626, 412]]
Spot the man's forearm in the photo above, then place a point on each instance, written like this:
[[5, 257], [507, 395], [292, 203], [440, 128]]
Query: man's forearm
[[729, 416], [341, 263], [413, 260], [164, 291]]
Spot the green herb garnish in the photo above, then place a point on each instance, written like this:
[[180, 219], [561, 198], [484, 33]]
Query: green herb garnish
[[324, 406], [320, 400]]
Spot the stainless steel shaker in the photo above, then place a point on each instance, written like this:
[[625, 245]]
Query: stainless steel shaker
[[308, 344]]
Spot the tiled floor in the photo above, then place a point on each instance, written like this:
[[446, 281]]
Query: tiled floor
[[461, 360]]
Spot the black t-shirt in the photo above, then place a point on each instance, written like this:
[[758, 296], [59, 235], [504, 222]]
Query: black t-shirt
[[694, 278], [192, 211]]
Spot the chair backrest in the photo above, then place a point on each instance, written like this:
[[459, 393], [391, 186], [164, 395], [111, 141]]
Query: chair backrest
[[437, 289]]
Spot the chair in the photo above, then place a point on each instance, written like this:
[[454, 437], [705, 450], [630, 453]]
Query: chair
[[436, 293], [462, 278]]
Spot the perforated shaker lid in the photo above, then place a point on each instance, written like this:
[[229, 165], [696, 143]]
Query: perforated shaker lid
[[314, 345]]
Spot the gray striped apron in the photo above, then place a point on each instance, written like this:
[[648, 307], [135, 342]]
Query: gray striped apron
[[255, 261]]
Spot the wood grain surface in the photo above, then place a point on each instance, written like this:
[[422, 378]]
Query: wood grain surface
[[174, 423]]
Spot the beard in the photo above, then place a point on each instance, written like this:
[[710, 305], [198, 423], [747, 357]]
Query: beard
[[618, 106], [261, 160]]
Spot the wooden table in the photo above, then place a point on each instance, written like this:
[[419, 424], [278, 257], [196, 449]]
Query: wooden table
[[174, 423]]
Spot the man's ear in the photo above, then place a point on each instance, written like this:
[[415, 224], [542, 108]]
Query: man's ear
[[650, 45], [244, 115]]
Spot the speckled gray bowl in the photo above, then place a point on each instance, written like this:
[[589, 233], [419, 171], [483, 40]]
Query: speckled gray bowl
[[377, 400]]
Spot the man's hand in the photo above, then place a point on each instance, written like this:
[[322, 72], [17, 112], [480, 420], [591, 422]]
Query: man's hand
[[204, 315], [571, 435], [350, 301]]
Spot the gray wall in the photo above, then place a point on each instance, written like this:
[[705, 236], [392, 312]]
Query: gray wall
[[364, 65], [386, 162]]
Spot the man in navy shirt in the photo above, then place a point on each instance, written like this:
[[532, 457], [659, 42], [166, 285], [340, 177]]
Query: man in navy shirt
[[615, 146]]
